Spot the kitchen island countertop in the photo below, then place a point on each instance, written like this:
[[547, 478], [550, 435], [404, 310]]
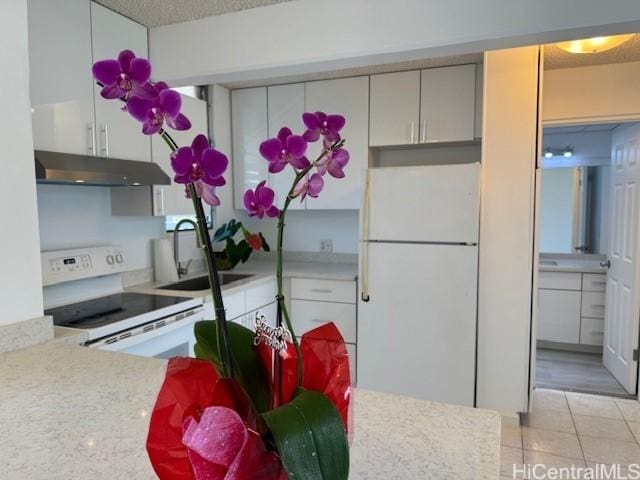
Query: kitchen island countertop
[[70, 412]]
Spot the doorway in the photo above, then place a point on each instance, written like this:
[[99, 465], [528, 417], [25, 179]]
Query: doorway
[[587, 266]]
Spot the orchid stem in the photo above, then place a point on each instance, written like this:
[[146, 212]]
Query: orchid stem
[[283, 308], [224, 347]]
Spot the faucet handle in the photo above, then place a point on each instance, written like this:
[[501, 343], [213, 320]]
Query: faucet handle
[[184, 270]]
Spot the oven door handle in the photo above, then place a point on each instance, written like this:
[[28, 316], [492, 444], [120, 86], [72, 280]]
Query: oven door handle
[[148, 331]]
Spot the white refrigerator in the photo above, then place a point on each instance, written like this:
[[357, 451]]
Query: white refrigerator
[[418, 282]]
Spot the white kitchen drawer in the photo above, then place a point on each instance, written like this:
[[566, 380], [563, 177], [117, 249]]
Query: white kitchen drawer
[[323, 290], [351, 349], [594, 282], [559, 316], [560, 280], [234, 305], [592, 331], [307, 315], [593, 304], [260, 295]]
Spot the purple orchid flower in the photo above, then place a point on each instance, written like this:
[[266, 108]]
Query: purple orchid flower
[[199, 163], [309, 185], [285, 148], [259, 202], [319, 123], [206, 192], [333, 161], [124, 77], [154, 112]]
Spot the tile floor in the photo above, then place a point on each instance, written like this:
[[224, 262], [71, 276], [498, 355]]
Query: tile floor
[[566, 429]]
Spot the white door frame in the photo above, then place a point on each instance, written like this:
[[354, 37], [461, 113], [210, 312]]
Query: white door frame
[[534, 319]]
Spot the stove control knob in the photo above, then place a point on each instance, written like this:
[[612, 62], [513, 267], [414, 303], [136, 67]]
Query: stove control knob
[[110, 259], [119, 258]]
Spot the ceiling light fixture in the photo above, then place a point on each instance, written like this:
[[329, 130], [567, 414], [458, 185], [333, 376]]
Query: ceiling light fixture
[[594, 45], [548, 153], [568, 152]]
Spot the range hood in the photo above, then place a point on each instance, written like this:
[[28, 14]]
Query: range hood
[[66, 168]]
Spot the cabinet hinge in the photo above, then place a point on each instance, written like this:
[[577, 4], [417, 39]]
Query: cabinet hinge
[[635, 355]]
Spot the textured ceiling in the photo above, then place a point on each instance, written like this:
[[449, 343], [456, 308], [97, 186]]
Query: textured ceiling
[[368, 70], [555, 57], [154, 13]]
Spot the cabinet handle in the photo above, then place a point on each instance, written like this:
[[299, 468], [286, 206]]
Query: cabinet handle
[[593, 332], [599, 282], [104, 144], [597, 306], [423, 133], [160, 201], [91, 138], [318, 320], [412, 138], [321, 290]]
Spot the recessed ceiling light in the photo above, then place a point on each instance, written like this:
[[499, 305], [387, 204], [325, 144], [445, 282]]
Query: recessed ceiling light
[[79, 181], [567, 153], [548, 153], [135, 184], [594, 45]]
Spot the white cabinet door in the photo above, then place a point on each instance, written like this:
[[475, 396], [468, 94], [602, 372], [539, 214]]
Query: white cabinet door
[[447, 104], [170, 199], [249, 127], [348, 97], [395, 108], [118, 134], [286, 106], [307, 315], [559, 316], [60, 75]]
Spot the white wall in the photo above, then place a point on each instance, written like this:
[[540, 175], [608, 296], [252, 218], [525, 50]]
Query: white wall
[[507, 228], [301, 36], [20, 275], [556, 210]]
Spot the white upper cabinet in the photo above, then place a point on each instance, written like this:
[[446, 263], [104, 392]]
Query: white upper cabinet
[[65, 38], [285, 107], [118, 135], [170, 199], [60, 75], [348, 97], [395, 108], [249, 127], [447, 104]]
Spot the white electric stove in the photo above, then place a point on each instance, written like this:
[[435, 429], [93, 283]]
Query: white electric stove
[[143, 324]]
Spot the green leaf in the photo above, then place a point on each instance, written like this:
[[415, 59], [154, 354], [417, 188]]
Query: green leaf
[[248, 368], [228, 230], [310, 437], [265, 245]]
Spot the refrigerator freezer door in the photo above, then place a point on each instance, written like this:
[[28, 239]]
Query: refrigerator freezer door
[[438, 203], [417, 333]]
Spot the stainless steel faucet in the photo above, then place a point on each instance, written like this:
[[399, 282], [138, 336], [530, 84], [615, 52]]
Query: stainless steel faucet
[[176, 249]]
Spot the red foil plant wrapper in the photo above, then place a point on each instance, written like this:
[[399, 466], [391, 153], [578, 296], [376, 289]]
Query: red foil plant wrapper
[[204, 427]]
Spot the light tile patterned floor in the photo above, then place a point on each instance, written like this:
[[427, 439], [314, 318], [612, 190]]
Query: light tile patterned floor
[[577, 429]]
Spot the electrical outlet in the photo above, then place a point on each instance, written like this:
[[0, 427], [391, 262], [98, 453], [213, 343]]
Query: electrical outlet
[[326, 245]]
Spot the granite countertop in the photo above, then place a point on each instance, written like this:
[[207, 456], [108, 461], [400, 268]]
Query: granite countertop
[[71, 412], [574, 263]]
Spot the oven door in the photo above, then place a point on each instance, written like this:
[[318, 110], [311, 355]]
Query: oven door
[[166, 338]]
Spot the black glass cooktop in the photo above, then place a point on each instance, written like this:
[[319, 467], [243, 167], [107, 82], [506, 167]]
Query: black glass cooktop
[[106, 310]]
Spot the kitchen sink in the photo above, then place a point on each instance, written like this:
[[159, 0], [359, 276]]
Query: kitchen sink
[[202, 283]]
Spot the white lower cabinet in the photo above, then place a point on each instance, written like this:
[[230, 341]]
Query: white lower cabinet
[[315, 302], [559, 316], [571, 307]]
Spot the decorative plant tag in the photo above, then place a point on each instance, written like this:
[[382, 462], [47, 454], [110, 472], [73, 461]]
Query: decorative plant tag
[[274, 337]]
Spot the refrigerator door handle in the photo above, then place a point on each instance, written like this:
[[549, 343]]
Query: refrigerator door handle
[[364, 236]]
